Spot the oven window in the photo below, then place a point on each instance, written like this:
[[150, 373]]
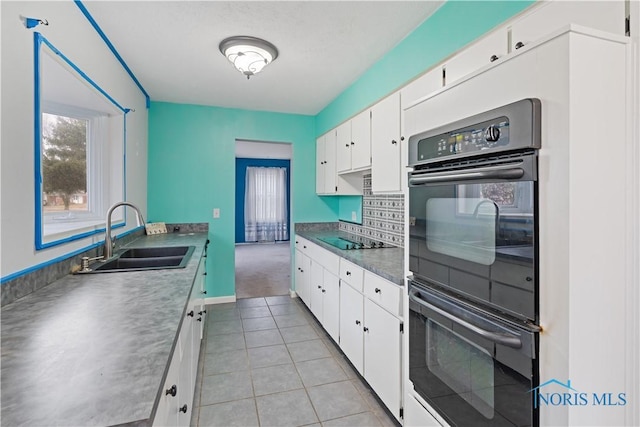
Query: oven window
[[463, 228], [464, 367]]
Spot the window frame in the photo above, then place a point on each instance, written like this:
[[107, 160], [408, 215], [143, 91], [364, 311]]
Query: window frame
[[43, 241]]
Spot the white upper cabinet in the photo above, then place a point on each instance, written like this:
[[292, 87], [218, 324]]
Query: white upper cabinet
[[487, 50], [361, 141], [549, 16], [354, 144], [343, 150], [385, 145], [326, 163], [427, 83]]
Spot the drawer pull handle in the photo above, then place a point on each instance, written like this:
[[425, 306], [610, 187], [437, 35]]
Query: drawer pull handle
[[357, 322], [183, 409], [365, 329], [199, 319], [519, 45], [493, 58], [348, 273], [171, 391], [190, 314], [377, 290]]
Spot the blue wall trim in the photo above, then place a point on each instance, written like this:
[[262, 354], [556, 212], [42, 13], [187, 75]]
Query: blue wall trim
[[60, 258], [95, 25], [241, 171]]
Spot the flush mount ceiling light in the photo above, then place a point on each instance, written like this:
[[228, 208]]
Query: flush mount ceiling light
[[248, 54]]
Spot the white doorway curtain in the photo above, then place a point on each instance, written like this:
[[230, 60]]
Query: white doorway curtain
[[265, 205]]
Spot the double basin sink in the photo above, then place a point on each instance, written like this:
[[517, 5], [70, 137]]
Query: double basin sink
[[152, 258]]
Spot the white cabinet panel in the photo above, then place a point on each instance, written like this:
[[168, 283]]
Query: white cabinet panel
[[383, 293], [331, 305], [330, 172], [428, 83], [317, 280], [351, 274], [320, 169], [416, 415], [550, 16], [385, 145], [343, 147], [351, 319], [491, 48], [382, 368], [302, 274], [361, 141]]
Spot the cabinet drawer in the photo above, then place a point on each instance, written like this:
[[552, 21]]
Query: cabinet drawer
[[303, 245], [383, 292], [351, 273], [330, 261]]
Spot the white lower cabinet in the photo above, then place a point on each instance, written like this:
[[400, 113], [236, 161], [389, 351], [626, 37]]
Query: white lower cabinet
[[382, 354], [351, 317], [176, 397], [359, 310]]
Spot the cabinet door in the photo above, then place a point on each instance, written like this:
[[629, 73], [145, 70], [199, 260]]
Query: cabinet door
[[476, 56], [361, 138], [330, 172], [385, 145], [167, 412], [303, 267], [343, 147], [351, 320], [382, 355], [422, 86], [320, 166], [331, 305], [186, 383], [553, 15], [317, 276]]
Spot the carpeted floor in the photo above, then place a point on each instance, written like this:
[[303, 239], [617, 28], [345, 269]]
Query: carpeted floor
[[263, 269]]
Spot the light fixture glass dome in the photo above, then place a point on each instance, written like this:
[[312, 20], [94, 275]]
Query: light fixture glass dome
[[248, 54]]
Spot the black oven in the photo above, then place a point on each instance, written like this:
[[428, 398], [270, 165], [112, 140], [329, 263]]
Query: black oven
[[473, 255], [473, 368]]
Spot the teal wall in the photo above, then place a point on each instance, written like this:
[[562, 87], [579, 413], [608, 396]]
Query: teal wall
[[451, 27], [192, 171], [347, 205]]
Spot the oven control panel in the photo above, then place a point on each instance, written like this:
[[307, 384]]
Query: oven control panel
[[483, 136], [512, 127]]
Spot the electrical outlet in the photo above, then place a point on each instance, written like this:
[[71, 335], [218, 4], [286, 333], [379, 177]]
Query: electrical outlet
[[216, 212], [354, 216]]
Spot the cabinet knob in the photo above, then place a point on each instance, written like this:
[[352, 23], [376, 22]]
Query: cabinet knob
[[301, 271], [200, 312], [528, 279], [402, 138], [353, 143], [324, 290], [393, 141], [204, 292], [519, 45], [190, 314], [319, 287], [348, 273], [493, 58], [173, 390], [346, 145], [377, 290], [304, 246], [183, 408], [199, 319], [365, 329], [357, 322]]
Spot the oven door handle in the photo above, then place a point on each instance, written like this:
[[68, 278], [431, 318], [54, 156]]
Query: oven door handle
[[498, 338], [493, 172]]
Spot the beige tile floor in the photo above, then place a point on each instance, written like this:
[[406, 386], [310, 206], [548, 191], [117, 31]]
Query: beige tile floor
[[267, 362]]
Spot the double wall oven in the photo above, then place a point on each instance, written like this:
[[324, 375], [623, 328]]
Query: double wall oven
[[473, 250]]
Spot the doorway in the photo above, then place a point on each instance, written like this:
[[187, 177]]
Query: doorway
[[262, 249]]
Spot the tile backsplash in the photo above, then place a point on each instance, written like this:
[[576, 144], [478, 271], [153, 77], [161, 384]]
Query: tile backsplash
[[382, 216]]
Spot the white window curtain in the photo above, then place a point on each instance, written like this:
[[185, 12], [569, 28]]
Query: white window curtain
[[265, 205]]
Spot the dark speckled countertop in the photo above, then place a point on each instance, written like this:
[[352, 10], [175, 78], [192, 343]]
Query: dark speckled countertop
[[92, 349], [387, 262]]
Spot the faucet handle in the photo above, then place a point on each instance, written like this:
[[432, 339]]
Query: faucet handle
[[85, 262]]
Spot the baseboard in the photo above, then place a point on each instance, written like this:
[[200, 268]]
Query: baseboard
[[292, 293], [220, 300]]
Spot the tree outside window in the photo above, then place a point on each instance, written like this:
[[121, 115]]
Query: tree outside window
[[64, 163]]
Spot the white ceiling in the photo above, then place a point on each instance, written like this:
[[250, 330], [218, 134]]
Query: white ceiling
[[324, 46]]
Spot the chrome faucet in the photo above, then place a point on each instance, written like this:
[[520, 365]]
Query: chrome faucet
[[110, 242]]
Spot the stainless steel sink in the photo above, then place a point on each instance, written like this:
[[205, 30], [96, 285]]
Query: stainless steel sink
[[138, 259], [167, 251]]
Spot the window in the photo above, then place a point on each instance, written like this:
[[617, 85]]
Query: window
[[80, 140]]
